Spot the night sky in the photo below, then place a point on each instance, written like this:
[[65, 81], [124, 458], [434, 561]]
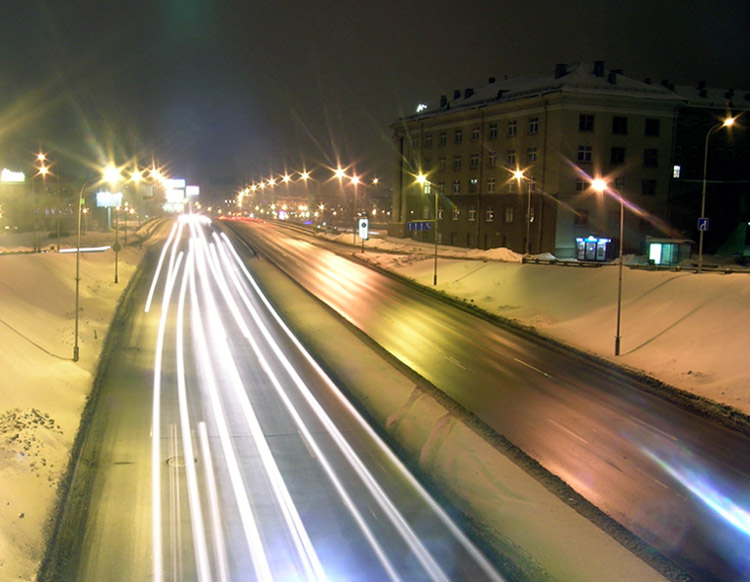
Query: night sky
[[246, 88]]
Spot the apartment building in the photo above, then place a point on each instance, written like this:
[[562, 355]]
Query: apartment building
[[512, 162]]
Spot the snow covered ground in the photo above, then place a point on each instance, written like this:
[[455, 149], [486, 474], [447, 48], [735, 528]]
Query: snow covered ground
[[687, 330], [42, 391]]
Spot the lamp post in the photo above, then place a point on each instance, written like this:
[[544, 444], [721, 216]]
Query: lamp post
[[600, 186], [703, 226], [78, 267], [422, 181]]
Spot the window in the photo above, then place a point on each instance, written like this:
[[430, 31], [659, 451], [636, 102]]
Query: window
[[531, 184], [533, 125], [678, 150], [511, 186], [581, 217], [511, 157], [474, 134], [489, 215], [472, 216], [415, 143], [585, 122], [492, 159], [652, 127], [584, 154], [531, 155], [440, 214], [441, 188], [441, 163], [508, 214], [474, 161], [676, 171], [428, 140], [620, 125], [620, 184], [456, 162], [648, 187], [458, 136], [490, 185], [473, 183], [650, 158], [427, 188], [443, 138], [617, 156], [456, 214], [581, 184], [456, 186], [512, 128], [493, 131]]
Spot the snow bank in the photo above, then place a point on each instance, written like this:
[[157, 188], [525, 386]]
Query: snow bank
[[42, 391]]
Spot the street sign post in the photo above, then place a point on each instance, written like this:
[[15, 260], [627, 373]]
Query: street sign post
[[703, 224], [419, 225]]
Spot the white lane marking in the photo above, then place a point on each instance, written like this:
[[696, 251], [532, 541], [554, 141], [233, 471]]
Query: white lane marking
[[649, 426], [305, 549], [156, 531], [652, 478], [459, 535], [252, 535], [537, 370], [220, 553], [159, 266], [455, 361], [175, 536], [307, 445], [570, 432], [396, 518], [196, 514]]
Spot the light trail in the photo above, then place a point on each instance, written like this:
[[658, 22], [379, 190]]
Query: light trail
[[466, 543]]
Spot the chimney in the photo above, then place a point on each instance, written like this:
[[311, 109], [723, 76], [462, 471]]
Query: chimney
[[561, 69], [612, 77], [647, 80], [599, 68], [443, 101], [500, 94], [468, 92], [456, 94], [491, 80]]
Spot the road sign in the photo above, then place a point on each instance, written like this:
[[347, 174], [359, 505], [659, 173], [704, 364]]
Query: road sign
[[419, 225], [363, 227], [703, 224]]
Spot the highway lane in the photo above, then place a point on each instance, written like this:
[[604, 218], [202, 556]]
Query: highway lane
[[675, 479], [226, 453]]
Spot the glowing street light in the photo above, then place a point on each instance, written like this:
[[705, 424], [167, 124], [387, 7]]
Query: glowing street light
[[426, 187], [600, 186], [703, 221]]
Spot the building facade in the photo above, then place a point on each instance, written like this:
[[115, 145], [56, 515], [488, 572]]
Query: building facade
[[512, 163]]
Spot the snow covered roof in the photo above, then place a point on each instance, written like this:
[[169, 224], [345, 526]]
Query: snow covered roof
[[583, 77]]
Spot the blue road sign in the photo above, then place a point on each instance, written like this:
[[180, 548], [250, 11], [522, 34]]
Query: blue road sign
[[419, 225], [703, 224]]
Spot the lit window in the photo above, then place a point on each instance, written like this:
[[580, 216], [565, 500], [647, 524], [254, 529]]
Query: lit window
[[456, 214], [456, 186], [676, 171], [489, 215]]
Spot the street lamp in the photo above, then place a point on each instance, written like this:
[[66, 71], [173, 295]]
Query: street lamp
[[703, 222], [518, 175], [78, 267], [422, 181], [600, 186], [112, 175]]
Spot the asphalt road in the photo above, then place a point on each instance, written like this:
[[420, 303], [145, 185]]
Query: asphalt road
[[671, 476], [220, 450]]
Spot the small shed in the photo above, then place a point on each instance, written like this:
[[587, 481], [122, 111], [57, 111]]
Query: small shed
[[668, 251]]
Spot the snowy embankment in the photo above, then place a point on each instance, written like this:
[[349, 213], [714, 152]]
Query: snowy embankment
[[42, 391]]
